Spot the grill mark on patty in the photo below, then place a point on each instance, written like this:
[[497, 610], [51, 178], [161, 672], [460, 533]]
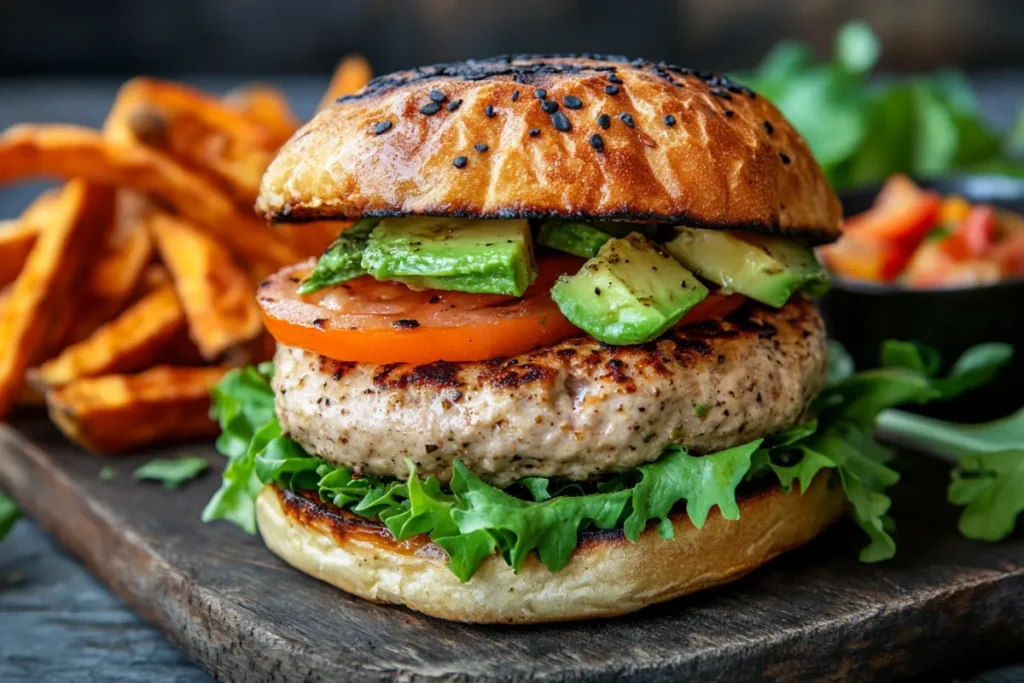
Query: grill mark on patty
[[512, 374], [337, 369], [439, 374]]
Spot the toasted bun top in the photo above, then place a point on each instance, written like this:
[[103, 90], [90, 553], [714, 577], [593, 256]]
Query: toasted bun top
[[640, 141]]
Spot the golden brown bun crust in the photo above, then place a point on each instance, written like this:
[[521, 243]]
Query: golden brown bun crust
[[729, 160], [607, 575]]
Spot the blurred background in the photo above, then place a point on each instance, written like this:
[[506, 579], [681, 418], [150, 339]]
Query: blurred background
[[170, 37]]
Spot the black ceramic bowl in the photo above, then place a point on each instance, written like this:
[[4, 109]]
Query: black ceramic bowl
[[862, 314]]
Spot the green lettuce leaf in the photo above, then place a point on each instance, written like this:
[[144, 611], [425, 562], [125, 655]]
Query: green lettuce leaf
[[173, 473], [703, 482], [9, 514], [991, 486]]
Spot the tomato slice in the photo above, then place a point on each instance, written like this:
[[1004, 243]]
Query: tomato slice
[[369, 321], [978, 230], [902, 213]]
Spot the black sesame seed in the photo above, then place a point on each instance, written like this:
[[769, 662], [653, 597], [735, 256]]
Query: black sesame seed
[[604, 121], [515, 95], [597, 142], [572, 102], [612, 78], [430, 108], [768, 127], [438, 96], [382, 127], [534, 132], [670, 120], [561, 123], [460, 162], [627, 119], [611, 90], [785, 157], [489, 111], [549, 106], [453, 105], [720, 93], [405, 324], [481, 147], [729, 113], [540, 93]]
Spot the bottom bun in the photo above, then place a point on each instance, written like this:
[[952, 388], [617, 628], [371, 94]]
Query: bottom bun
[[607, 575]]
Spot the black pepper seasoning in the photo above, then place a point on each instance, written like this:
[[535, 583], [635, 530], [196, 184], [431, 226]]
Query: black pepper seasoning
[[627, 119], [515, 95], [489, 111], [534, 132], [540, 93], [785, 157], [670, 120], [430, 108], [549, 106], [604, 121], [768, 127], [382, 127], [480, 147], [453, 105], [572, 102], [597, 142], [460, 162], [561, 123], [611, 90], [438, 96]]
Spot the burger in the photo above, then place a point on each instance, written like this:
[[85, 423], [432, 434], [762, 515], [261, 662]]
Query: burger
[[564, 363]]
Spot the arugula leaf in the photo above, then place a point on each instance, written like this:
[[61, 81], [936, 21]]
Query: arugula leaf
[[173, 473], [703, 482], [951, 440], [991, 486], [343, 260], [9, 514]]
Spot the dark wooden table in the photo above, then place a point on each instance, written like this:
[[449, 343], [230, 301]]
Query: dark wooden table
[[56, 622]]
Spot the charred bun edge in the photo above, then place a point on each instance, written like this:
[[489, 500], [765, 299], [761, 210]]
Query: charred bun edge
[[812, 236], [541, 65], [607, 575]]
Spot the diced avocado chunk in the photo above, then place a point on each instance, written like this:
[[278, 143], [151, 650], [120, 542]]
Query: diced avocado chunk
[[630, 293], [767, 269], [479, 256], [343, 260], [573, 237]]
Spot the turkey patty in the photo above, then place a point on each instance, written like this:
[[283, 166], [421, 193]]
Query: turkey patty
[[576, 410]]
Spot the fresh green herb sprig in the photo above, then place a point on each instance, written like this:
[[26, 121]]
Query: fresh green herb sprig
[[862, 132]]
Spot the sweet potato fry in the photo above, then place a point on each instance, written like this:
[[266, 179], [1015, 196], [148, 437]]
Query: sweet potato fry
[[268, 107], [81, 222], [72, 151], [116, 413], [130, 342], [112, 283], [199, 131], [18, 235], [351, 74], [216, 294], [16, 240]]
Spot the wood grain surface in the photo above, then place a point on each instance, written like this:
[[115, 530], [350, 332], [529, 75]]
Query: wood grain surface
[[816, 614]]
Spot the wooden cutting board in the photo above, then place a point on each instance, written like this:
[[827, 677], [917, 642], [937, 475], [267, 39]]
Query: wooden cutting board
[[815, 614]]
